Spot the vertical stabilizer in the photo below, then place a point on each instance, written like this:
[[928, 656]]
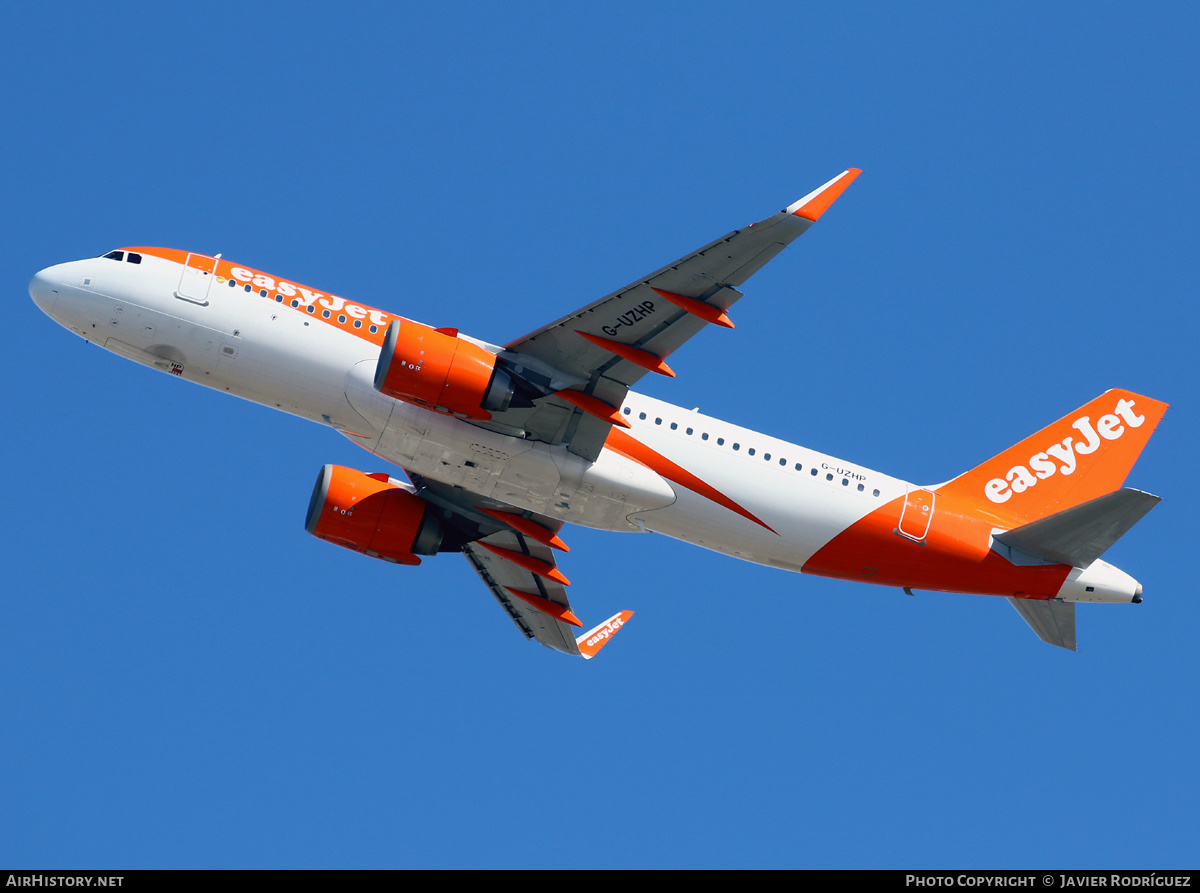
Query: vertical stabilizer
[[1084, 455]]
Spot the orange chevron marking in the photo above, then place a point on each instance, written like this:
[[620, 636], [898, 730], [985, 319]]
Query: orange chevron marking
[[633, 449]]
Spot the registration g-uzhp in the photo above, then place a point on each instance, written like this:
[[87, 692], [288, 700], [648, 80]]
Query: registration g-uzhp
[[503, 445]]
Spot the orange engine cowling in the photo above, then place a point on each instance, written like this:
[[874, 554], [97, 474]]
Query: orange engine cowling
[[372, 515], [441, 371]]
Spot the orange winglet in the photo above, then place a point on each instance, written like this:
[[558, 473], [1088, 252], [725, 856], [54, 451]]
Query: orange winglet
[[597, 637], [817, 202], [531, 564], [531, 529], [593, 406], [557, 611], [643, 358], [706, 312]]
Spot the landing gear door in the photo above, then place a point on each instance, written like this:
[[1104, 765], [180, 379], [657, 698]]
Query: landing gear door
[[917, 515], [199, 270]]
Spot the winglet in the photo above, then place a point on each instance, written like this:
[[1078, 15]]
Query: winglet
[[595, 639], [818, 201]]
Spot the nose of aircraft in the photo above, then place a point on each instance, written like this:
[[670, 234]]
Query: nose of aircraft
[[43, 289]]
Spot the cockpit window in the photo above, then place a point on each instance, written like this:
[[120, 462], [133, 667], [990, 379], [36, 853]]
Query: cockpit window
[[115, 255], [132, 258]]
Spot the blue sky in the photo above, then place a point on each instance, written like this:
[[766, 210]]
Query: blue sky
[[188, 679]]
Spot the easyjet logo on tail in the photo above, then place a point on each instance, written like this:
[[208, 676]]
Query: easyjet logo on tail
[[1062, 458]]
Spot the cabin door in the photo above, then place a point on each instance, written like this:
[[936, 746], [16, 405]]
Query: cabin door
[[195, 282], [917, 514]]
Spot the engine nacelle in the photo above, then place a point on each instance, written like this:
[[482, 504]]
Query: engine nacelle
[[372, 515], [441, 371]]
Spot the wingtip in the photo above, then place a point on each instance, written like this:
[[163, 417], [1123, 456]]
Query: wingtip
[[596, 638], [817, 202]]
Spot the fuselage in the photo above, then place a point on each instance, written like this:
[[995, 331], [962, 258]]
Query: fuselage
[[673, 471]]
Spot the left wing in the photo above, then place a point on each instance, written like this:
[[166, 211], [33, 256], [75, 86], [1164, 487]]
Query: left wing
[[516, 560], [583, 364], [521, 573]]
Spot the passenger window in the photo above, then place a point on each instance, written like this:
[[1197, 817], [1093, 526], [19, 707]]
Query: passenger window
[[295, 302], [358, 323], [232, 283], [798, 468], [674, 427], [876, 493], [737, 446], [860, 488], [704, 436], [279, 299], [751, 451], [248, 288], [658, 421], [814, 472], [720, 441], [262, 292], [626, 410], [642, 416], [341, 318], [325, 314], [782, 462], [133, 258], [766, 457], [374, 329], [689, 430], [829, 477]]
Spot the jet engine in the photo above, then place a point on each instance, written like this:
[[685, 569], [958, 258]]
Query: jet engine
[[436, 369], [372, 514]]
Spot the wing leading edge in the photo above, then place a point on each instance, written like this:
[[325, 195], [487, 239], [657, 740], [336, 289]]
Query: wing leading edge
[[587, 361]]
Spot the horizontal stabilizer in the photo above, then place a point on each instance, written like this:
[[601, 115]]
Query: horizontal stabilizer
[[1053, 621], [1079, 535]]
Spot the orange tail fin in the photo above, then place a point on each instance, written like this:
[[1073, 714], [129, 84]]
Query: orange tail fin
[[1083, 455]]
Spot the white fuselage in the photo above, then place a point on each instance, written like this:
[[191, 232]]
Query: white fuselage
[[259, 347], [274, 354]]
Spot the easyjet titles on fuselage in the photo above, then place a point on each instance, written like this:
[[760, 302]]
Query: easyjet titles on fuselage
[[308, 297]]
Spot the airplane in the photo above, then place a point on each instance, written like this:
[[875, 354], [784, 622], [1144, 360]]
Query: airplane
[[504, 445]]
